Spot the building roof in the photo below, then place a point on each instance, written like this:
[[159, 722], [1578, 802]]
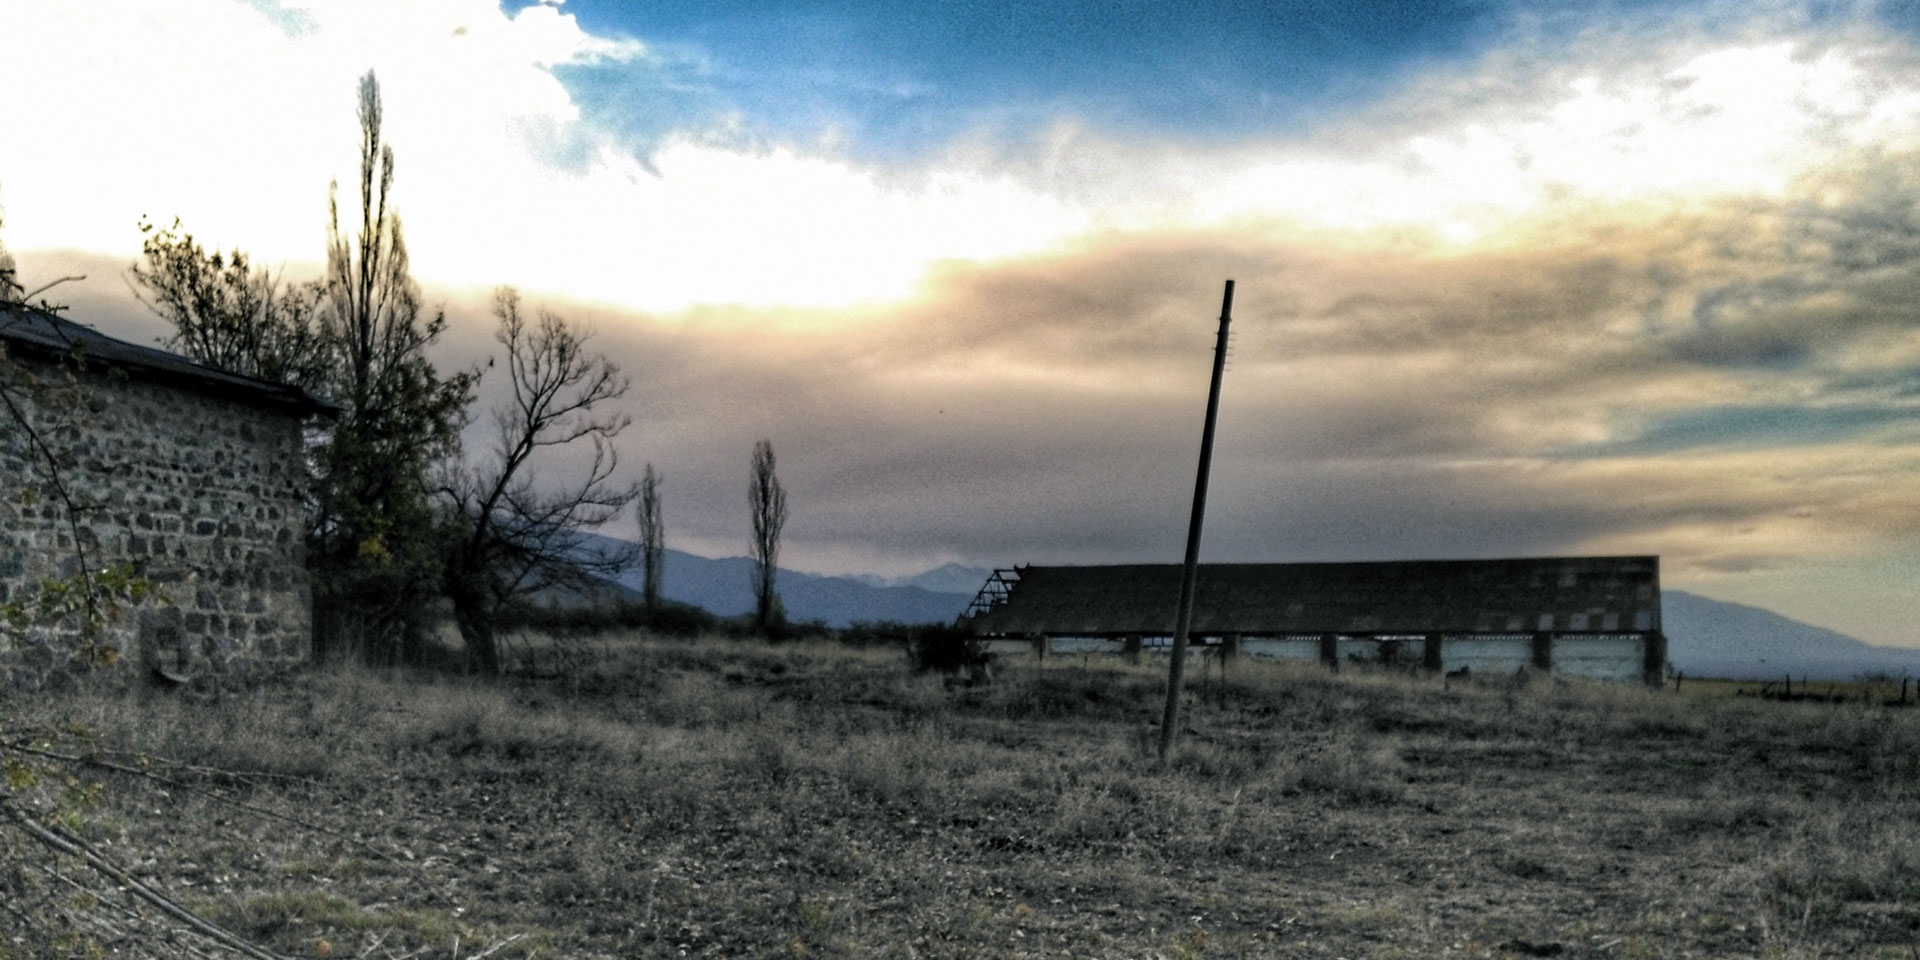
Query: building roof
[[1580, 594], [37, 331]]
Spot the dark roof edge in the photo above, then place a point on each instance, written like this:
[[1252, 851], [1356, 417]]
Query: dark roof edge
[[47, 335]]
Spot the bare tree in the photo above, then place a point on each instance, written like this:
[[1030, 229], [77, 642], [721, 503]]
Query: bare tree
[[511, 537], [374, 556], [652, 539], [767, 500]]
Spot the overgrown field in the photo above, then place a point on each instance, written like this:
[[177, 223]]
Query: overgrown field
[[726, 799]]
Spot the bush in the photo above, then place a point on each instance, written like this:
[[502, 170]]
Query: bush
[[877, 633], [782, 630], [946, 650], [679, 620], [671, 619]]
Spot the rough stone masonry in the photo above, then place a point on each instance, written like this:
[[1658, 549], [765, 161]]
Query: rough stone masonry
[[193, 477]]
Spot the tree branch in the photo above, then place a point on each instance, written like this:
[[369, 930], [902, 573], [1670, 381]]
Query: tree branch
[[76, 847]]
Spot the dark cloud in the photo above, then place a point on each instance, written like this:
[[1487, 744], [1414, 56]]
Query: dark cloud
[[1727, 385], [1559, 398]]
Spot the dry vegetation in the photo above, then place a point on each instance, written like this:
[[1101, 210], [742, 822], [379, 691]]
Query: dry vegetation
[[725, 799]]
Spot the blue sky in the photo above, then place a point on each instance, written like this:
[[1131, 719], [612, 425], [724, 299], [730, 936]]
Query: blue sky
[[1515, 278], [897, 78], [892, 80]]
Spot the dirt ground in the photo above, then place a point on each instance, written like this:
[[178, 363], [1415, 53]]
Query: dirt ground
[[726, 799]]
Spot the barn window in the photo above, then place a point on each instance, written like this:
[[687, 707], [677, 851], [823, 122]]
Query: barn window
[[1579, 622], [1610, 622], [1643, 620], [1546, 621]]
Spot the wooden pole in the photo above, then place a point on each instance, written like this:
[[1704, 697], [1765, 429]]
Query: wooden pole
[[1183, 619]]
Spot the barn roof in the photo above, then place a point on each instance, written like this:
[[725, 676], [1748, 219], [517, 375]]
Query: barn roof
[[39, 331], [1584, 594]]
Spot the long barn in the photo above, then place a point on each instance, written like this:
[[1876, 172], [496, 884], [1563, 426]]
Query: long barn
[[1581, 616]]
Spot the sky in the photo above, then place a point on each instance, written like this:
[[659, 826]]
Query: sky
[[1514, 277]]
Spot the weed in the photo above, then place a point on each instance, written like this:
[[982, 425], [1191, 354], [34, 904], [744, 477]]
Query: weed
[[1356, 772]]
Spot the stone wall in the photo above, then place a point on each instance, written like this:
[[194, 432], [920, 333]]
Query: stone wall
[[202, 494]]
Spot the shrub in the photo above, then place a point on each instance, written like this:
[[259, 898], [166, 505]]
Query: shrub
[[879, 633], [670, 619], [945, 650], [679, 620]]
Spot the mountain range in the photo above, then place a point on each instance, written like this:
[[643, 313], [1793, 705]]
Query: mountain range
[[1705, 637], [725, 587], [1713, 638]]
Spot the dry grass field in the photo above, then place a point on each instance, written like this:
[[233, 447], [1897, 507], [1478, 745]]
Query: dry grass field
[[726, 799]]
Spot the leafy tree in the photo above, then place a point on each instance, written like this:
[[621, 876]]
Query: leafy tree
[[653, 552], [227, 314], [512, 538], [767, 500], [373, 552], [357, 337]]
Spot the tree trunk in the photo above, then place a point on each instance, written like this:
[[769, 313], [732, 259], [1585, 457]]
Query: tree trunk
[[474, 616]]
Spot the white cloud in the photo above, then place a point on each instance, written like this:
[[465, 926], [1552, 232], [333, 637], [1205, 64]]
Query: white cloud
[[1734, 121], [217, 112], [235, 117]]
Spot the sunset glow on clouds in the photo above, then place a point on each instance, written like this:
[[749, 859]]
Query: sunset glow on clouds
[[1512, 280]]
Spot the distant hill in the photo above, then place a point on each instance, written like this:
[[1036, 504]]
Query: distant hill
[[946, 578], [952, 578], [1712, 638], [725, 587]]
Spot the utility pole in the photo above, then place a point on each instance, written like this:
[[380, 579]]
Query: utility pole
[[1183, 620]]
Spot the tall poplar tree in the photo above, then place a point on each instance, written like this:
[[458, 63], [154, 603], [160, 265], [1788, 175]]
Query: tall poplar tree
[[653, 551], [767, 500], [373, 547]]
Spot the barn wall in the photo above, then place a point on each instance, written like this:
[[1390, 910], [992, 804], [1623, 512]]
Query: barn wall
[[1599, 657], [1282, 648], [1372, 650], [1488, 655], [202, 495], [1008, 646], [1084, 645]]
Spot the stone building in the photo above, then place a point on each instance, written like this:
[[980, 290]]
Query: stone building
[[193, 477]]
